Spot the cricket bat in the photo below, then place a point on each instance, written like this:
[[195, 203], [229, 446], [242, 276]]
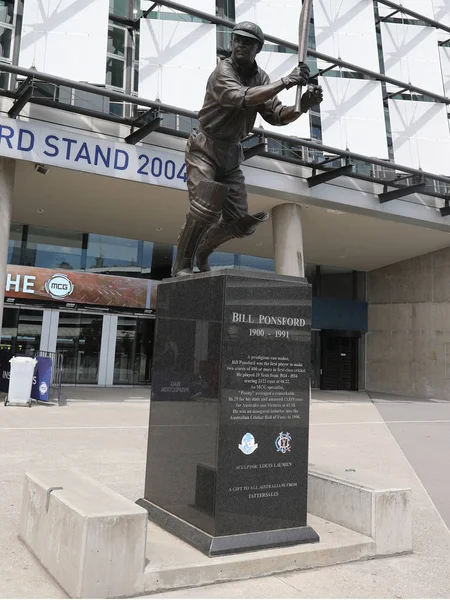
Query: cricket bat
[[303, 34]]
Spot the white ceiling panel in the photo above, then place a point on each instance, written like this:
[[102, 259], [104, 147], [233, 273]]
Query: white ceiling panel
[[346, 30], [67, 38], [353, 116], [176, 59], [423, 7], [206, 6], [277, 65], [420, 135], [441, 12], [411, 55], [445, 66], [276, 17]]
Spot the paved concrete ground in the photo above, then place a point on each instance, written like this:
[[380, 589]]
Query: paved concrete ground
[[422, 430], [105, 437]]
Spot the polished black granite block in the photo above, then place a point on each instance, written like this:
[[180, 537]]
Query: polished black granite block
[[227, 461]]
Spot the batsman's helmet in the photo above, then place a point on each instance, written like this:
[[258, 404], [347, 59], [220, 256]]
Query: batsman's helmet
[[250, 30]]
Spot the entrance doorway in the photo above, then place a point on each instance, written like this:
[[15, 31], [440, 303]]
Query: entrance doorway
[[339, 360], [78, 340], [134, 351]]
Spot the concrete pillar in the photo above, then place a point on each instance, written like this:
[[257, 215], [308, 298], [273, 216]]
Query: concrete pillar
[[7, 169], [49, 333], [288, 240], [108, 350]]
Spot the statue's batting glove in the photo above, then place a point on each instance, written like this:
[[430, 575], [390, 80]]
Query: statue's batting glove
[[299, 76], [312, 97]]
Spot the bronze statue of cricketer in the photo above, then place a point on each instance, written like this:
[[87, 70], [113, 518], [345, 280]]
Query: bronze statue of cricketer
[[236, 91]]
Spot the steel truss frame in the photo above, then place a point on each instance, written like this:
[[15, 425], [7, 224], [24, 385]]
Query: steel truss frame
[[329, 59], [140, 128]]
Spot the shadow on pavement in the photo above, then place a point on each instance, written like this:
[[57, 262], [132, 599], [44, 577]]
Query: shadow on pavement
[[339, 396], [379, 397]]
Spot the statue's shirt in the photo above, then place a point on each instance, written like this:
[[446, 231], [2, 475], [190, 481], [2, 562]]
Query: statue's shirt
[[224, 115]]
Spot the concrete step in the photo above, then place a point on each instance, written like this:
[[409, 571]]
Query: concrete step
[[173, 564]]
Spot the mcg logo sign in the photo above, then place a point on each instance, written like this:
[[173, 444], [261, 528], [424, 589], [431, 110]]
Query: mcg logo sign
[[59, 286]]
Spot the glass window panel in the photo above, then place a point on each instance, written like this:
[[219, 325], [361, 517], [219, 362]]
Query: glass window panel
[[8, 331], [119, 7], [89, 348], [96, 102], [315, 359], [144, 351], [170, 121], [64, 94], [136, 78], [53, 248], [134, 351], [311, 276], [223, 37], [14, 244], [66, 344], [7, 11], [256, 263], [229, 10], [225, 8], [116, 41], [136, 46], [137, 9], [29, 331], [5, 42], [4, 81], [162, 261], [147, 256], [187, 124], [222, 260], [112, 254], [46, 90], [115, 72], [91, 101], [174, 17], [361, 286], [116, 108], [21, 331], [125, 351]]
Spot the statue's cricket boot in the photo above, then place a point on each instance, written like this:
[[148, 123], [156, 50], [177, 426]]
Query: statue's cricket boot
[[222, 232]]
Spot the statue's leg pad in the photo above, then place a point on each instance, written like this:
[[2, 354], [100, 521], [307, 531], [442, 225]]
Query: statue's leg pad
[[205, 210]]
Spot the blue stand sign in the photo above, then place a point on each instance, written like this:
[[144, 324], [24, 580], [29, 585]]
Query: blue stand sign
[[4, 372], [42, 379]]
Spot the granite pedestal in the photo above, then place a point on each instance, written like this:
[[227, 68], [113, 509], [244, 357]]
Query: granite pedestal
[[227, 461]]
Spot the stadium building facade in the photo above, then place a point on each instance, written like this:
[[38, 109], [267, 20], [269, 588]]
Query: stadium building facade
[[97, 99]]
